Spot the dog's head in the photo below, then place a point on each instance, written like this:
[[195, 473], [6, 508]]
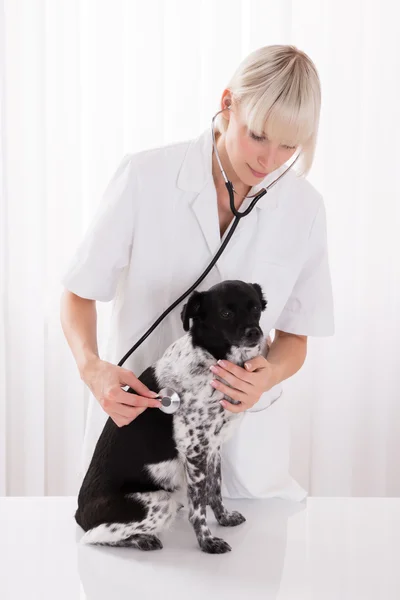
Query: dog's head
[[226, 315]]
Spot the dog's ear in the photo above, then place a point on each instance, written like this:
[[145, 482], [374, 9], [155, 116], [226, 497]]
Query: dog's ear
[[191, 309], [259, 291]]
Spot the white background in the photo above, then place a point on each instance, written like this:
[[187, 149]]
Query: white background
[[84, 82]]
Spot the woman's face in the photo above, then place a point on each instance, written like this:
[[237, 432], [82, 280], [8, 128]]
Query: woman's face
[[250, 157]]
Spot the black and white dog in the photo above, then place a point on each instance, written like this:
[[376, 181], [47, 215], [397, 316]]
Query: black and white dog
[[140, 473]]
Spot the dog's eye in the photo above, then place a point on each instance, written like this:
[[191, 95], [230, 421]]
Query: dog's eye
[[256, 308], [225, 314]]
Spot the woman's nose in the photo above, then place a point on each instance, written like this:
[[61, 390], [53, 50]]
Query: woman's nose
[[269, 160], [268, 164]]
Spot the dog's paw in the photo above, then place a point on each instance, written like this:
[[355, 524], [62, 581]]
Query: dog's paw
[[231, 519], [214, 545], [146, 542]]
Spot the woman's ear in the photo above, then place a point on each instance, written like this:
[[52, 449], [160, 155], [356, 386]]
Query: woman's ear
[[259, 291], [192, 309]]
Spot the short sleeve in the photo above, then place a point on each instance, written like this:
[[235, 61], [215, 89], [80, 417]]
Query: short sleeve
[[309, 309], [105, 249]]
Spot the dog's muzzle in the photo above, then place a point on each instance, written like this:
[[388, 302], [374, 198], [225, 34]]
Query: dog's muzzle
[[252, 335]]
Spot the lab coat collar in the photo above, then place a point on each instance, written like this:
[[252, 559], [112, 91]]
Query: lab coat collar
[[196, 172]]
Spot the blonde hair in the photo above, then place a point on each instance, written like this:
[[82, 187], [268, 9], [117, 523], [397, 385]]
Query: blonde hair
[[278, 92]]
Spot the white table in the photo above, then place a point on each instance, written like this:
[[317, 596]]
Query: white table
[[324, 548]]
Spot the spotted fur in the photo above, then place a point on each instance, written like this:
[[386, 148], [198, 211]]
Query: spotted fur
[[141, 474]]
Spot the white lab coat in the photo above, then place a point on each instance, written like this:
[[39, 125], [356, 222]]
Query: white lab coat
[[155, 232]]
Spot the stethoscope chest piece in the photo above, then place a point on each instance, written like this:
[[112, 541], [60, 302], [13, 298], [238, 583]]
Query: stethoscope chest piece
[[170, 400]]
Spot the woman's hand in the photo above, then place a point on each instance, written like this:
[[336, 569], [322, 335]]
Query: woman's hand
[[105, 381], [248, 384]]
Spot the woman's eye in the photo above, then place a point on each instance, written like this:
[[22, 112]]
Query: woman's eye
[[261, 139], [256, 137]]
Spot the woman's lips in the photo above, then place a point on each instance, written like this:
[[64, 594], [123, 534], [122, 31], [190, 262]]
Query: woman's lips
[[256, 173]]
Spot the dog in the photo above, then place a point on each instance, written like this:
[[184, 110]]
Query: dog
[[140, 473]]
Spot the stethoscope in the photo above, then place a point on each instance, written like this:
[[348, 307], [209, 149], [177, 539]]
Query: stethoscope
[[170, 400]]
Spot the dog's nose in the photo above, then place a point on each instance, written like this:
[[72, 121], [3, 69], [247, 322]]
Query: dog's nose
[[252, 333]]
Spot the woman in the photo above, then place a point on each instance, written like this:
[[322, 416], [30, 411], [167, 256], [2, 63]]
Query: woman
[[162, 219]]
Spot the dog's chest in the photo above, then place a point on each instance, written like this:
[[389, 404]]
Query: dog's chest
[[201, 423]]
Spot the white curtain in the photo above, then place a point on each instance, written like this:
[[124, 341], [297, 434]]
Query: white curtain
[[85, 81]]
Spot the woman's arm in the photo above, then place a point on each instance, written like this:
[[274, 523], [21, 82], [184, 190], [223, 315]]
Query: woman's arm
[[287, 353], [79, 323]]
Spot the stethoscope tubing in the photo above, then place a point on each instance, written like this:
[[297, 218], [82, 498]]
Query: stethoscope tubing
[[189, 290], [238, 215]]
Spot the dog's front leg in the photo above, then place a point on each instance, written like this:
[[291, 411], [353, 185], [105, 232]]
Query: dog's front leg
[[196, 472], [214, 498]]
